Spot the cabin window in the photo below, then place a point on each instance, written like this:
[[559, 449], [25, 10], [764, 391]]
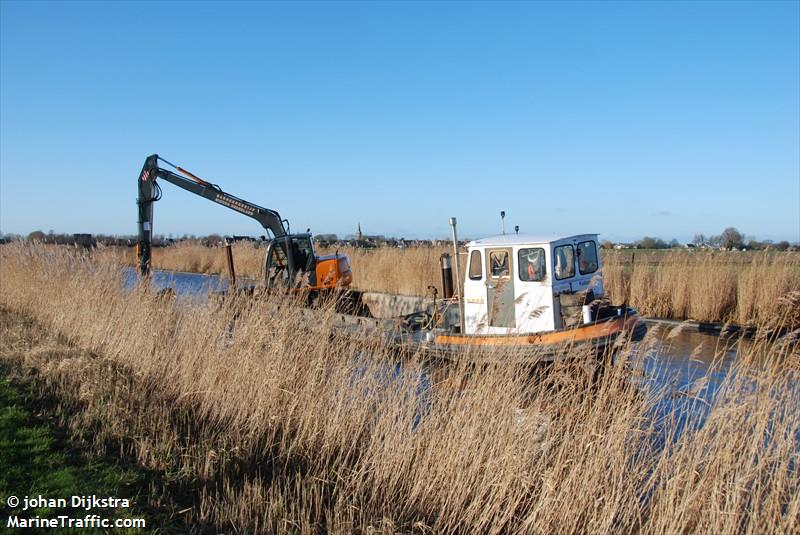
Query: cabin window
[[475, 266], [498, 263], [587, 257], [302, 254], [278, 256], [532, 265], [277, 265], [564, 262]]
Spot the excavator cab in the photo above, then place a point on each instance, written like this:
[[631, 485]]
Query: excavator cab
[[290, 262]]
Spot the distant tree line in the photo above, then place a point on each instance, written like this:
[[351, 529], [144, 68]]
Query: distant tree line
[[91, 240], [730, 239]]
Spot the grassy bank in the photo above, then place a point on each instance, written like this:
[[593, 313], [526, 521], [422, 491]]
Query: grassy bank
[[39, 460], [278, 425], [738, 287], [49, 440]]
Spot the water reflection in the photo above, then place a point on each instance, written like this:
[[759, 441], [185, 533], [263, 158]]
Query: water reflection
[[191, 285]]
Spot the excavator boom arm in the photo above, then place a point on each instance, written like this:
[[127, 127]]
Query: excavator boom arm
[[150, 192]]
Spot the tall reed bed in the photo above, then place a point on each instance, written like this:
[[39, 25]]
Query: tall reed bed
[[743, 288], [281, 424], [408, 271], [194, 257]]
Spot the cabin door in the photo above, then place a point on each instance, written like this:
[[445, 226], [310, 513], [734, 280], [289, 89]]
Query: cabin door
[[500, 288]]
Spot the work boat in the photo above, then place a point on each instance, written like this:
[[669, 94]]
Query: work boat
[[525, 295]]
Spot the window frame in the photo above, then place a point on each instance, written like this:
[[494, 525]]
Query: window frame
[[519, 263], [509, 260], [555, 256], [472, 263], [596, 258]]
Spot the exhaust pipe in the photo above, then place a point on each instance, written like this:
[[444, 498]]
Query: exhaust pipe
[[447, 276]]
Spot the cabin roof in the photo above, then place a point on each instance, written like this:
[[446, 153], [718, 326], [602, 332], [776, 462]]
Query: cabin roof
[[524, 239]]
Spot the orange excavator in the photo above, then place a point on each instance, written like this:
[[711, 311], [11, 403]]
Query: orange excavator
[[290, 263]]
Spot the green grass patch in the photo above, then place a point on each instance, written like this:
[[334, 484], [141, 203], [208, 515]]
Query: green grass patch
[[37, 459]]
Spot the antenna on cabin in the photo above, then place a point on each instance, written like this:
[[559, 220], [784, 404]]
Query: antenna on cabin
[[516, 229], [503, 221]]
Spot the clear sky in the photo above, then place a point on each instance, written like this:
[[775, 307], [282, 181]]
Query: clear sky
[[627, 119]]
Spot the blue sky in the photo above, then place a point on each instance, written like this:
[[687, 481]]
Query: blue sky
[[627, 119]]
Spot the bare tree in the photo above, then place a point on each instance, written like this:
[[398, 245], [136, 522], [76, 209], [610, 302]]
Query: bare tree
[[36, 235], [731, 238]]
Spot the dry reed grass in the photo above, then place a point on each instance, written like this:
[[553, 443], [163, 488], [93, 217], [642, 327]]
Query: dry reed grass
[[407, 271], [287, 427], [743, 288], [194, 257]]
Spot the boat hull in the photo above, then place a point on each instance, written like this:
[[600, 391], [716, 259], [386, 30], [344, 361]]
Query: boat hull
[[407, 336], [545, 346]]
